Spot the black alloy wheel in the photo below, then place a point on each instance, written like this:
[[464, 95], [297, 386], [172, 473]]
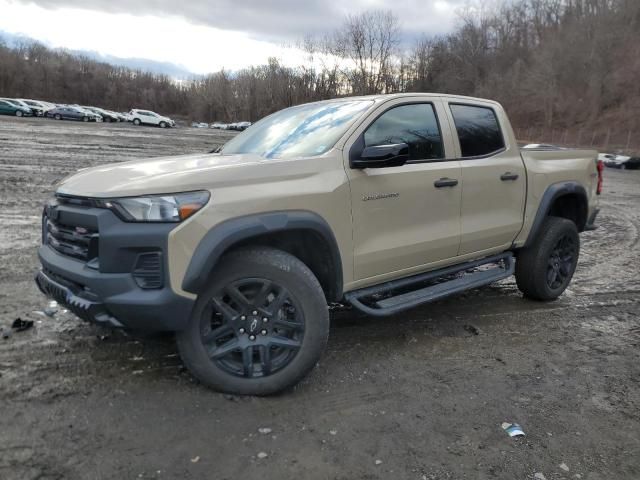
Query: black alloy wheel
[[259, 326], [561, 262], [252, 328], [545, 268]]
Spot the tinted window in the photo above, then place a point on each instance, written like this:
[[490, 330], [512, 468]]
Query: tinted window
[[478, 130], [415, 125]]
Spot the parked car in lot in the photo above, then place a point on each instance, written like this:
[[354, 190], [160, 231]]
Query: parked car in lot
[[383, 202], [616, 161], [69, 112], [35, 111], [633, 163], [10, 108], [39, 108], [605, 157], [147, 117], [242, 126], [107, 116], [217, 126], [200, 125]]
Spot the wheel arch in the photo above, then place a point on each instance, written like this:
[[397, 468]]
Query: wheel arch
[[303, 234], [566, 200]]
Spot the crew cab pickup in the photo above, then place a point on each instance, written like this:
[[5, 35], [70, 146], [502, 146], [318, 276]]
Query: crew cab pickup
[[382, 202]]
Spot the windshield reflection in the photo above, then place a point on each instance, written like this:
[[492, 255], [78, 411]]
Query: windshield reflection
[[305, 130]]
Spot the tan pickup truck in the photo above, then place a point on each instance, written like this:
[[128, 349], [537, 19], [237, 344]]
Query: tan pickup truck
[[382, 202]]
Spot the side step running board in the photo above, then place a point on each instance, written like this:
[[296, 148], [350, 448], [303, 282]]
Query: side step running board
[[399, 295]]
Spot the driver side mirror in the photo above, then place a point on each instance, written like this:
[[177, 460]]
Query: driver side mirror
[[380, 156]]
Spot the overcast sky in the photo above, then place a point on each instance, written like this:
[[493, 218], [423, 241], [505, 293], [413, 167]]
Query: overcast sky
[[206, 35]]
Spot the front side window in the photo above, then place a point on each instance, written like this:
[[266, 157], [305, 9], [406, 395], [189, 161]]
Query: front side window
[[415, 124], [478, 130], [301, 131]]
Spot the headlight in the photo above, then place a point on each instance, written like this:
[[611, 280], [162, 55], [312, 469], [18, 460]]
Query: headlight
[[158, 208]]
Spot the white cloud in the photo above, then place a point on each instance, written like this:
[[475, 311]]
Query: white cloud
[[199, 48]]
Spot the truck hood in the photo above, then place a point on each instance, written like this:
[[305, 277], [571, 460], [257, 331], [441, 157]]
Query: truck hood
[[159, 175]]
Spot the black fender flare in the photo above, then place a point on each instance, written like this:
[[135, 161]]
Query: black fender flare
[[224, 235], [551, 194]]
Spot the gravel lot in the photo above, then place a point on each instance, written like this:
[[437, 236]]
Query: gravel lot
[[418, 396]]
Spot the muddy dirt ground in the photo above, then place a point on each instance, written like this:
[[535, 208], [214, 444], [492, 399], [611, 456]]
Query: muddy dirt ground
[[417, 396]]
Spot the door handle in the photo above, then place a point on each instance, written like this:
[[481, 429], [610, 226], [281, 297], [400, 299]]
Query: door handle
[[445, 182], [508, 176]]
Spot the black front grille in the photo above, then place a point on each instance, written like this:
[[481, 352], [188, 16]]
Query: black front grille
[[72, 240]]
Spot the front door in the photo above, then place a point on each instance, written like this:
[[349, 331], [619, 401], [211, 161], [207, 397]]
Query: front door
[[405, 217]]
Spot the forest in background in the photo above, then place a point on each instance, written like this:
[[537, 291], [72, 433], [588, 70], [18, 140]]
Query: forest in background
[[561, 65]]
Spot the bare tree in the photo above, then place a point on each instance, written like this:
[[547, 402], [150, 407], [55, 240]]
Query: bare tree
[[369, 43]]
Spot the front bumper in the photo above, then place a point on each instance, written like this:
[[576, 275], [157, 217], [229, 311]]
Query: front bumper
[[103, 290]]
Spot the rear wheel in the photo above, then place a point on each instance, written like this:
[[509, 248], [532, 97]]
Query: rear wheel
[[544, 270], [259, 327]]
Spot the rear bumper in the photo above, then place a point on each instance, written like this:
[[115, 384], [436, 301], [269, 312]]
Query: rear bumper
[[111, 299]]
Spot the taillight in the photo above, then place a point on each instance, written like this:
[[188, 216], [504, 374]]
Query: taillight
[[600, 167]]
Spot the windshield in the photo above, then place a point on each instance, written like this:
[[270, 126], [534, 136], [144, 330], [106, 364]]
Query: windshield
[[305, 130]]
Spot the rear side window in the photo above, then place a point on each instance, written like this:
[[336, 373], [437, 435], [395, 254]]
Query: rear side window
[[478, 130], [415, 124]]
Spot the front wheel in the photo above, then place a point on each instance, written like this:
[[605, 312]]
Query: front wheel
[[18, 113], [136, 121], [163, 124], [85, 119], [544, 270], [259, 327]]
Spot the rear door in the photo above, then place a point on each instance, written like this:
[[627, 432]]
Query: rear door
[[401, 219], [493, 176], [4, 108]]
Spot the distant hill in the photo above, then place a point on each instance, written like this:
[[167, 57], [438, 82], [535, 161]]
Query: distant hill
[[146, 65]]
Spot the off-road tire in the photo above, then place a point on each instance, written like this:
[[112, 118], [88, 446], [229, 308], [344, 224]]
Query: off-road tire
[[289, 274], [537, 264]]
